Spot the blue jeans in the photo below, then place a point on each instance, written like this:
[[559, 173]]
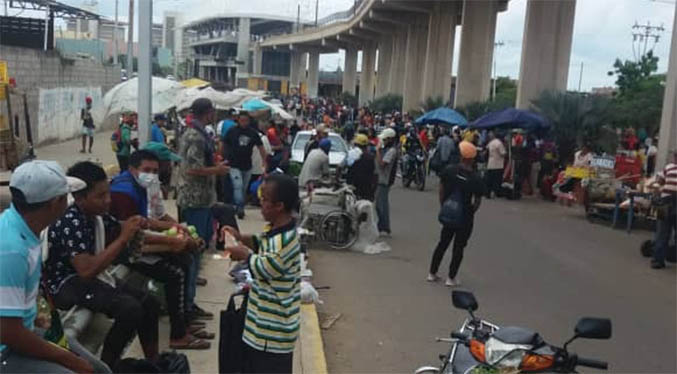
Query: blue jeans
[[201, 218], [664, 230], [383, 207], [240, 179]]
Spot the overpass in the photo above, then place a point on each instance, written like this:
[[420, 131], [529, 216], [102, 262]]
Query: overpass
[[415, 44]]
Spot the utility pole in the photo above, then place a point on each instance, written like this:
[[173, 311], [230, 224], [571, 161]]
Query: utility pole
[[115, 36], [580, 79], [298, 18], [642, 34], [317, 8], [130, 40], [493, 90], [145, 69]]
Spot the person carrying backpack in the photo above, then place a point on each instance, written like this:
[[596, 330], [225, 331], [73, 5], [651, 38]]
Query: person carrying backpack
[[461, 191]]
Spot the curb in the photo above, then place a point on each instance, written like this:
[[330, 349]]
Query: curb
[[312, 360]]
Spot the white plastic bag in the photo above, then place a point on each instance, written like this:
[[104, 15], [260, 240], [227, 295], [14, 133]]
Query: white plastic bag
[[368, 230], [309, 294]]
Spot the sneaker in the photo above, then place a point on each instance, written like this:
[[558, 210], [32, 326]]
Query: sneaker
[[240, 214], [384, 234], [452, 282], [432, 278], [657, 264]]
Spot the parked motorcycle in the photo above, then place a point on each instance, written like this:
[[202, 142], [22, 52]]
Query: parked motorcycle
[[481, 347], [414, 169]]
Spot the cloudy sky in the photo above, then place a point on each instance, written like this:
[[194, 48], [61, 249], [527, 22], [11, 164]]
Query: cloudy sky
[[602, 30]]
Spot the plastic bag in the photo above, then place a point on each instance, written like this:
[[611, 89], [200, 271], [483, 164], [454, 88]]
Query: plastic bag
[[368, 230], [309, 294]]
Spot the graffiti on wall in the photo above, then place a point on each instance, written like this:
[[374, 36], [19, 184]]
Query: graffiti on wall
[[59, 111]]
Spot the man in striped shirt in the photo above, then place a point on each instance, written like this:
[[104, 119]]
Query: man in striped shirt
[[272, 322], [666, 225]]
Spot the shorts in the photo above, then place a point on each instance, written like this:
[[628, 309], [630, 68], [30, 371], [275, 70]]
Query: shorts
[[88, 131]]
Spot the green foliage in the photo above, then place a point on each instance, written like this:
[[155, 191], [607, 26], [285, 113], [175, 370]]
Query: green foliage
[[639, 101], [432, 103], [576, 119], [348, 99], [506, 95], [386, 103]]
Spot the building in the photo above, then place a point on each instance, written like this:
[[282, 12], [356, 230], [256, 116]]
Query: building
[[222, 49]]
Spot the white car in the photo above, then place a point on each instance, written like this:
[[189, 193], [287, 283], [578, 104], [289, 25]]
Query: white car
[[339, 148]]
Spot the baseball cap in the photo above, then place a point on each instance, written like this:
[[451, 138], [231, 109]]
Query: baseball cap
[[468, 150], [387, 134], [325, 145], [41, 181], [361, 139], [161, 151], [160, 117]]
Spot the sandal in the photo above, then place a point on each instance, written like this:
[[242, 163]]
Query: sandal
[[197, 323], [201, 281], [202, 314], [202, 334], [195, 343]]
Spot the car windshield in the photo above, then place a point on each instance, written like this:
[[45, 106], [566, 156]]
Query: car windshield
[[337, 144]]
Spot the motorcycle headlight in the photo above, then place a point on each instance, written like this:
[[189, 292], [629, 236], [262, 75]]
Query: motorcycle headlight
[[504, 355]]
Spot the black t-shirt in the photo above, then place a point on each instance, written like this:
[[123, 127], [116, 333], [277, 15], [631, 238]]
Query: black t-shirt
[[240, 142], [469, 182]]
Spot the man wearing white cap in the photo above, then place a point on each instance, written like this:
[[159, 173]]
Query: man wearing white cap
[[39, 197], [386, 159]]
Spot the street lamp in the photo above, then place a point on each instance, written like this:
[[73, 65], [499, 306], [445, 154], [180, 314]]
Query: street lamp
[[493, 90]]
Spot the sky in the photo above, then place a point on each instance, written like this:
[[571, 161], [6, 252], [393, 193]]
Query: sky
[[602, 29]]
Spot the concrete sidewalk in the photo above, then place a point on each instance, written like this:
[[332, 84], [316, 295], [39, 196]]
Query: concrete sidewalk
[[309, 355]]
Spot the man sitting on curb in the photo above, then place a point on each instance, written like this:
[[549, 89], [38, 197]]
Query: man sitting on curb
[[130, 197], [74, 266], [39, 197], [273, 257]]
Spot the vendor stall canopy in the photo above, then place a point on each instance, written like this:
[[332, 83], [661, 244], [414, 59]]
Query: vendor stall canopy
[[512, 118]]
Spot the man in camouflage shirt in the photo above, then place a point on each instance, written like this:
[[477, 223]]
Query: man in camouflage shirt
[[197, 185]]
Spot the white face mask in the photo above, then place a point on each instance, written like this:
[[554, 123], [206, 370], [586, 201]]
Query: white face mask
[[147, 179]]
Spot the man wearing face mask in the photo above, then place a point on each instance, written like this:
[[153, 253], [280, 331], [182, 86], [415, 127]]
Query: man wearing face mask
[[132, 194]]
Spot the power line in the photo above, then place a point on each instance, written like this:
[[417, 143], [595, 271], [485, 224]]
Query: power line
[[643, 34]]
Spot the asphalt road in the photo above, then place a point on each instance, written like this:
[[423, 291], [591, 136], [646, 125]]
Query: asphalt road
[[529, 263]]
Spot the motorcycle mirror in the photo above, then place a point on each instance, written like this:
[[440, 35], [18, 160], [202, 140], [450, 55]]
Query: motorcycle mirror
[[464, 300], [593, 328]]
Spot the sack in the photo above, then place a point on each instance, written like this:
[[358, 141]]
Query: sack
[[116, 140], [136, 366], [451, 212], [231, 346], [172, 362]]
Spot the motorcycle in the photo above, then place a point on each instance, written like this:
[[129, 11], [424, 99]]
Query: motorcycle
[[481, 347], [414, 169]]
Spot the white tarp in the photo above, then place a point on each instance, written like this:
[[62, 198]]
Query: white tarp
[[367, 240], [221, 100], [59, 111], [124, 98]]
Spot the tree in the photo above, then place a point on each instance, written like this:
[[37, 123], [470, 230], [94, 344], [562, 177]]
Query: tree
[[348, 99], [639, 101], [576, 119], [386, 104], [432, 103]]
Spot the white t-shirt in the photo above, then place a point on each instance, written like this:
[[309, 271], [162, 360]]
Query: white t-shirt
[[315, 167], [496, 154], [582, 160], [257, 162]]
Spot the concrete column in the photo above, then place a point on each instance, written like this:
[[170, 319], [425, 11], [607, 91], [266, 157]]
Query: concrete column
[[385, 55], [415, 56], [258, 60], [546, 48], [313, 73], [477, 51], [243, 37], [440, 51], [667, 140], [397, 62], [350, 70], [295, 69], [368, 73]]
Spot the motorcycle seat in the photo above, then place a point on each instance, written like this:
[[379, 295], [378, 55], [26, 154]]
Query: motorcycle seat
[[518, 335]]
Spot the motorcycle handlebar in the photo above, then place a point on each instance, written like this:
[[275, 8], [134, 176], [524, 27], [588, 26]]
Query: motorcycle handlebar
[[459, 335], [592, 363]]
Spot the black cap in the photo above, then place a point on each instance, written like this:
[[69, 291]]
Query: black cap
[[160, 117], [201, 106]]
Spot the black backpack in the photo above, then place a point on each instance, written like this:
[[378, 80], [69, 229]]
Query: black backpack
[[168, 362]]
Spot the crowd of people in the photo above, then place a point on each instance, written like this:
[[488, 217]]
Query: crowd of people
[[221, 161]]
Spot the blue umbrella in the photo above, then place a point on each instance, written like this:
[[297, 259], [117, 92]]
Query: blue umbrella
[[513, 119], [442, 115], [254, 105]]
